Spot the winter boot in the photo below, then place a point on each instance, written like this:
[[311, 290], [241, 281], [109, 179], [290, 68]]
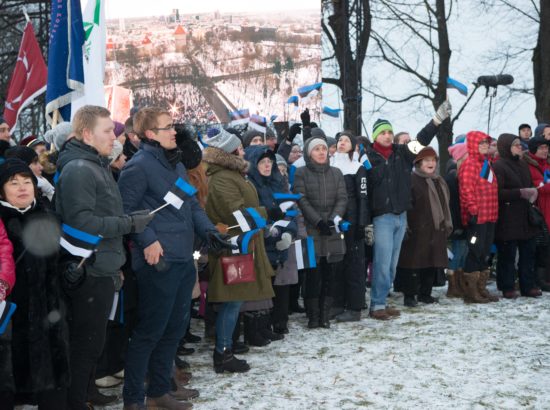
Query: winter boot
[[226, 362], [482, 286], [410, 301], [326, 304], [541, 280], [471, 294], [335, 311], [454, 289], [349, 316], [312, 310], [238, 346], [252, 334], [166, 402], [266, 330]]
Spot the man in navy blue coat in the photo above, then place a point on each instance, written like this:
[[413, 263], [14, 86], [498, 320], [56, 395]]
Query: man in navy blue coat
[[162, 258]]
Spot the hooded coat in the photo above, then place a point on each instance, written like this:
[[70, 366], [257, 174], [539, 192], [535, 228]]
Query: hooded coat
[[266, 187], [324, 197], [478, 195], [228, 191], [39, 345], [538, 167], [513, 212]]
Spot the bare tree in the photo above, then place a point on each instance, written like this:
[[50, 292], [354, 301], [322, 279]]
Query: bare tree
[[346, 27], [541, 64]]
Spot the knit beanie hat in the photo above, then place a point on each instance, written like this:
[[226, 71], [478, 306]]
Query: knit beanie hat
[[425, 152], [191, 153], [25, 154], [457, 151], [249, 135], [115, 152], [280, 160], [379, 126], [535, 143], [318, 133], [59, 134], [313, 143], [225, 141], [540, 128], [522, 126], [119, 129], [350, 136], [13, 166]]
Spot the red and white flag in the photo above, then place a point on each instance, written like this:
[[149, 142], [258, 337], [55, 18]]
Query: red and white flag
[[29, 77]]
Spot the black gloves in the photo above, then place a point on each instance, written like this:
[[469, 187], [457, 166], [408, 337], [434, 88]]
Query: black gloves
[[275, 214], [293, 131], [323, 228], [73, 276], [140, 219], [217, 242], [306, 119]]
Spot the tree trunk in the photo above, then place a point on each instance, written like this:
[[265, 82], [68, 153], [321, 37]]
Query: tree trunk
[[541, 65]]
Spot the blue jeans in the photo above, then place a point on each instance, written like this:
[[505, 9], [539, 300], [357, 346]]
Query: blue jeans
[[163, 307], [225, 325], [389, 230], [459, 248]]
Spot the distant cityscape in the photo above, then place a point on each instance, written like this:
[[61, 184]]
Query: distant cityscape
[[203, 66]]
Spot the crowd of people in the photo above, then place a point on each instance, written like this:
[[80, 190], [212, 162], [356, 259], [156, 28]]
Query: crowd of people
[[111, 234]]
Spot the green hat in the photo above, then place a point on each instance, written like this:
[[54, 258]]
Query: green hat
[[379, 126]]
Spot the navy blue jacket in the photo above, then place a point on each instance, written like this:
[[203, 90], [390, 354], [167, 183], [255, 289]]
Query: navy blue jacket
[[143, 183]]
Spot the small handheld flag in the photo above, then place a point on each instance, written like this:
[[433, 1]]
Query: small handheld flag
[[285, 200], [6, 312], [248, 219], [77, 242], [341, 225], [117, 309], [461, 88], [293, 100], [258, 123], [366, 162], [242, 241], [179, 191], [309, 89], [331, 112], [305, 253], [239, 116], [546, 176], [487, 172], [291, 174]]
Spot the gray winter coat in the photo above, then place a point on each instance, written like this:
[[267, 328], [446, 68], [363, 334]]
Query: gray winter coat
[[324, 197], [87, 198]]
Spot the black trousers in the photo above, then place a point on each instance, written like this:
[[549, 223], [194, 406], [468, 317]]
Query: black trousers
[[319, 281], [294, 291], [90, 306], [414, 282], [46, 400], [479, 248], [506, 265], [279, 316], [350, 277]]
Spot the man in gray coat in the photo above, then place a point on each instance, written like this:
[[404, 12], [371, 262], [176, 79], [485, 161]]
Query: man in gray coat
[[87, 199]]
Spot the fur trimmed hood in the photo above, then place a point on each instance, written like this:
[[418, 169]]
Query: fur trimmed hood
[[217, 156]]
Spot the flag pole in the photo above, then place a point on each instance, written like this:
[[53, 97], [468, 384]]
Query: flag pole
[[26, 15], [159, 208], [81, 263], [233, 227]]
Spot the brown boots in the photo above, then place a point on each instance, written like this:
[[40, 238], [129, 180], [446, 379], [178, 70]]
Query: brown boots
[[455, 285], [471, 290], [482, 286]]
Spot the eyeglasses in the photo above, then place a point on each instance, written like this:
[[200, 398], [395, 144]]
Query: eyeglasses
[[167, 128]]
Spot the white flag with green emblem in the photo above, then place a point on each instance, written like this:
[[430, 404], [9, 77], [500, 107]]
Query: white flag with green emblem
[[93, 18]]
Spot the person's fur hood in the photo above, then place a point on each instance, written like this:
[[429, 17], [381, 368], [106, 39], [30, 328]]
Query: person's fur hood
[[216, 156]]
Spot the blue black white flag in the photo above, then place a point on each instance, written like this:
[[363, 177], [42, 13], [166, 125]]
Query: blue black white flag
[[179, 191], [257, 122], [305, 253], [286, 200], [6, 311], [487, 172], [239, 116], [77, 242], [249, 219], [462, 89], [310, 90], [243, 241]]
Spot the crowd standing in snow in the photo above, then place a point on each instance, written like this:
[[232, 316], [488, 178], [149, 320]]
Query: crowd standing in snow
[[154, 219]]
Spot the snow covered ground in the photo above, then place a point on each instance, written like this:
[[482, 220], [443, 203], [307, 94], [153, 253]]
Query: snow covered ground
[[494, 356]]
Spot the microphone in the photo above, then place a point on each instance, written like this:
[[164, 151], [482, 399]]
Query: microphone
[[495, 80]]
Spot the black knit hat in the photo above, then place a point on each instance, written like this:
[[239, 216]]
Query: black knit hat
[[25, 154], [13, 166], [351, 138], [522, 126], [535, 142], [191, 154]]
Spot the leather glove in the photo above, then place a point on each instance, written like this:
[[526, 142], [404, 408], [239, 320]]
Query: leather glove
[[369, 234], [293, 131], [443, 112], [3, 290], [73, 276], [323, 228], [275, 214], [306, 119], [285, 242], [217, 242], [530, 194], [140, 219]]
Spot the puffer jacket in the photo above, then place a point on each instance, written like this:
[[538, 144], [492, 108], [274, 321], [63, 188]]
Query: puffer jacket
[[87, 198], [7, 265], [324, 197]]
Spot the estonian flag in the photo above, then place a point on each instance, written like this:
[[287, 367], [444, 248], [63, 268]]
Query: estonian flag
[[331, 112], [179, 191], [293, 100], [341, 225], [487, 172], [242, 241], [366, 162], [6, 311], [305, 253], [462, 89], [239, 116], [312, 89], [249, 219], [291, 174], [77, 242], [546, 176], [286, 201], [117, 310], [257, 122]]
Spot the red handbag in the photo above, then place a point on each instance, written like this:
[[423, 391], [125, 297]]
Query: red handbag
[[238, 269]]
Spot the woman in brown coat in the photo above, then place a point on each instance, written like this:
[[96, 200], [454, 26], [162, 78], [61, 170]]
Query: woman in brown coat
[[229, 191], [424, 248]]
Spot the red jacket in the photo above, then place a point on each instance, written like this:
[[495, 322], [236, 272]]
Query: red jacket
[[7, 265], [478, 196], [537, 166]]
